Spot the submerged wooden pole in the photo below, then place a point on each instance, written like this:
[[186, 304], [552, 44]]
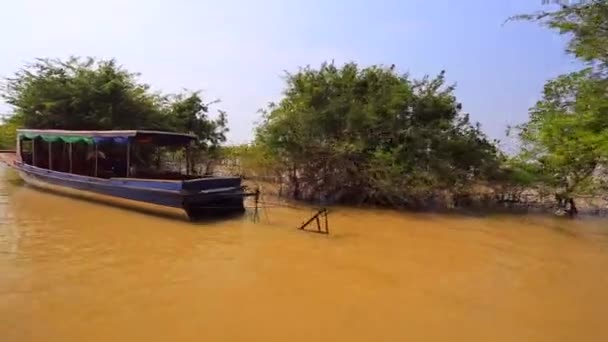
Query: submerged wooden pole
[[256, 216], [315, 217]]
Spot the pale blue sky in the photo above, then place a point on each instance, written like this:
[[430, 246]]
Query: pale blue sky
[[237, 50]]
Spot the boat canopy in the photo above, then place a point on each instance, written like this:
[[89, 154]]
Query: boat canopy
[[100, 137]]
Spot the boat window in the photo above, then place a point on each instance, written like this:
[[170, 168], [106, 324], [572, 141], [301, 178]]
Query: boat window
[[41, 154], [26, 151], [111, 159], [158, 162]]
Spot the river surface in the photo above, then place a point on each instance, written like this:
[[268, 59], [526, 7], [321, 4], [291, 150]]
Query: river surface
[[72, 270]]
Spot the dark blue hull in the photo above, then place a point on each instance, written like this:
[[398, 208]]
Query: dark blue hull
[[198, 197]]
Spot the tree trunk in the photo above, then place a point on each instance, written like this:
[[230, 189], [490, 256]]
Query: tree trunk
[[209, 168], [572, 211], [566, 204], [295, 183]]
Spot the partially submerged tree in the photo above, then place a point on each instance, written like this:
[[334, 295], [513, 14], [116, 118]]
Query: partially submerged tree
[[372, 135], [567, 133], [568, 130]]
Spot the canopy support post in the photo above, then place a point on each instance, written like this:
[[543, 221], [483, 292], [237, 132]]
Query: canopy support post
[[70, 156], [34, 152], [128, 156], [19, 153], [187, 160], [50, 156], [96, 159]]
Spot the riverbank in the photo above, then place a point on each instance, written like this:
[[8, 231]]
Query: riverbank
[[483, 200]]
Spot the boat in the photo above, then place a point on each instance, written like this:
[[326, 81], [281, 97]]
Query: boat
[[108, 166]]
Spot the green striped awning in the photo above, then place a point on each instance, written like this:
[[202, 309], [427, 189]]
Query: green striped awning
[[117, 136], [57, 137]]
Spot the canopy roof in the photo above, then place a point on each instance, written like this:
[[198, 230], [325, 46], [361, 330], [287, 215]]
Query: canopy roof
[[99, 137]]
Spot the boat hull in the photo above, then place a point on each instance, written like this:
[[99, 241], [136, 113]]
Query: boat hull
[[147, 208], [167, 198]]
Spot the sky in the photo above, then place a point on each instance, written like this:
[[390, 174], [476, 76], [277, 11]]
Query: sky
[[237, 51]]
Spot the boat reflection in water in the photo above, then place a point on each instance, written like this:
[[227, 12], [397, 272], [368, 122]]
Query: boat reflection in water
[[124, 168]]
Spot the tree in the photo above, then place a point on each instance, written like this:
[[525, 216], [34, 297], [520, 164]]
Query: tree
[[92, 94], [76, 94], [8, 132], [371, 135], [189, 113], [587, 24], [252, 161], [567, 133]]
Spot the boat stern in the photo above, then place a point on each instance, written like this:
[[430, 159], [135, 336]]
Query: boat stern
[[213, 197]]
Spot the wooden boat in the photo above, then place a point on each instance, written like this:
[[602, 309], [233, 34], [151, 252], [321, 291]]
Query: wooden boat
[[100, 165]]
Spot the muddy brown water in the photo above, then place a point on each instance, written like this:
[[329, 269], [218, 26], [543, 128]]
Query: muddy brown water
[[72, 270]]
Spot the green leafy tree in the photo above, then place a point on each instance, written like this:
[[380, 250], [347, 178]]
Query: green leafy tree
[[566, 137], [372, 135], [81, 94], [189, 113], [77, 94], [567, 133], [587, 25], [251, 161], [8, 132]]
